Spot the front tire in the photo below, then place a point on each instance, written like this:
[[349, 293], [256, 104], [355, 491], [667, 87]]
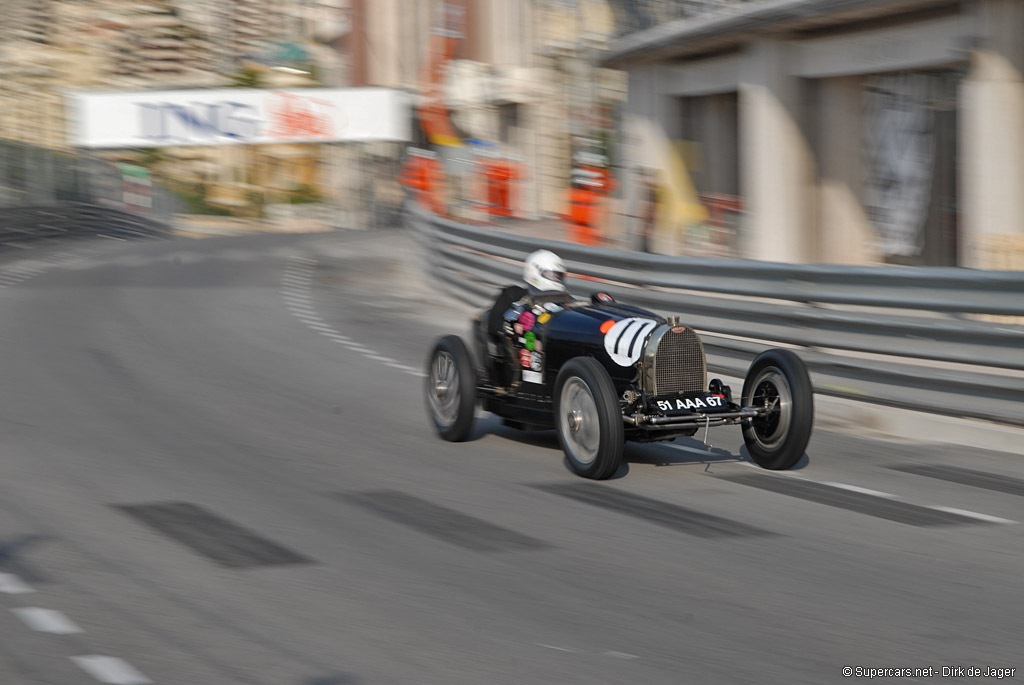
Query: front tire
[[451, 389], [778, 381], [588, 419]]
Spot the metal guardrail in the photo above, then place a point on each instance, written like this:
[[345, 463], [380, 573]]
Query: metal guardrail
[[40, 224], [936, 333]]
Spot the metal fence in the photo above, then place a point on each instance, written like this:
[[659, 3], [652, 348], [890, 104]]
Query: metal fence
[[639, 15], [923, 336], [48, 195], [37, 176]]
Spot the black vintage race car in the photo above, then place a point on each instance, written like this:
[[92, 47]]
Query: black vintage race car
[[601, 373]]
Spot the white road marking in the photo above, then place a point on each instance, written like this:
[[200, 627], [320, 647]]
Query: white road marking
[[621, 655], [887, 495], [856, 488], [46, 620], [560, 649], [972, 514], [296, 282], [13, 585], [19, 274], [110, 669]]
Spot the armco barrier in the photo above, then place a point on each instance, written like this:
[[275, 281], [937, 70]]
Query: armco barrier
[[926, 333], [20, 226]]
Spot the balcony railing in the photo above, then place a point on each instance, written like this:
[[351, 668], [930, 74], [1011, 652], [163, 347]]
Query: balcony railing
[[639, 15]]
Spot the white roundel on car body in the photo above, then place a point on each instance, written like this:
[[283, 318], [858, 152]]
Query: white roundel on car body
[[624, 342]]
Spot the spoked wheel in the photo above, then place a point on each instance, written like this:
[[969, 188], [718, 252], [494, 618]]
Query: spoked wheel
[[778, 383], [588, 418], [451, 389]]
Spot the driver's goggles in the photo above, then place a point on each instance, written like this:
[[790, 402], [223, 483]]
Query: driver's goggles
[[556, 276]]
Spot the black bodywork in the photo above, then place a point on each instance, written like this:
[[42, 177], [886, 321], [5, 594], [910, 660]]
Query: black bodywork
[[657, 403]]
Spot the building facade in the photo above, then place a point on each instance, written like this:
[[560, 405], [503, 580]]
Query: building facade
[[850, 131], [522, 79]]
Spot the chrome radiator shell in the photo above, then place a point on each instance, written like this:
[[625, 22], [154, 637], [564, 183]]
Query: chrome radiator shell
[[673, 362]]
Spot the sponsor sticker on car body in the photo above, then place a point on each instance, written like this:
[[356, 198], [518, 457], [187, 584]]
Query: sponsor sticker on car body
[[526, 320], [533, 377]]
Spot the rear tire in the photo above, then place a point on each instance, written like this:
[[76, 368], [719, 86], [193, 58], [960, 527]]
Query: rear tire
[[588, 419], [451, 389], [778, 379]]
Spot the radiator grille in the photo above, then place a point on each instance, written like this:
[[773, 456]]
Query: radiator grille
[[679, 362]]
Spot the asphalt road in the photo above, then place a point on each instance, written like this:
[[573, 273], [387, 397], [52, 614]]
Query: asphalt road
[[216, 467]]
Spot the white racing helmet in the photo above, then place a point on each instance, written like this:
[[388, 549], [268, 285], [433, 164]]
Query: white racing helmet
[[544, 271]]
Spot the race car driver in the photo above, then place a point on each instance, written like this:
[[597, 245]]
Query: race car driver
[[544, 276]]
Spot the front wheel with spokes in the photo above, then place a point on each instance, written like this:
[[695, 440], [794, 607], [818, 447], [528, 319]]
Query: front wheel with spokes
[[451, 389], [779, 386], [588, 418]]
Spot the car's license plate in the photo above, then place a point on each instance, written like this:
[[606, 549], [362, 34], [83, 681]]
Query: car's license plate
[[705, 403]]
